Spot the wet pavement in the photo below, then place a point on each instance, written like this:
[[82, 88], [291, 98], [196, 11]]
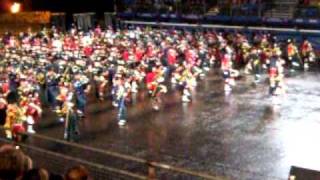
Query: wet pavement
[[243, 135]]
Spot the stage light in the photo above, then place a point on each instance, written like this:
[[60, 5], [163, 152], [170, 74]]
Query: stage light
[[15, 8]]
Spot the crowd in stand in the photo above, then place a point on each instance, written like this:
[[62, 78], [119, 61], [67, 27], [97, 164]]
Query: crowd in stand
[[16, 165], [305, 2], [303, 8], [165, 6], [308, 9], [63, 69], [240, 2]]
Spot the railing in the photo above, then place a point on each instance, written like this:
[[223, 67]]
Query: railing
[[59, 163], [231, 27], [301, 22], [58, 155], [313, 35]]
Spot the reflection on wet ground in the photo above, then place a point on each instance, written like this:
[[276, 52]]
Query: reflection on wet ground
[[243, 135]]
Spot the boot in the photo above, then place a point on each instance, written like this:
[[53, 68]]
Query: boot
[[30, 129], [186, 92], [115, 104], [227, 88], [156, 107], [122, 122], [61, 119], [30, 123], [185, 98], [8, 134]]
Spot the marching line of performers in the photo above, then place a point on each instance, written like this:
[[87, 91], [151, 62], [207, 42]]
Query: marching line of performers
[[62, 69]]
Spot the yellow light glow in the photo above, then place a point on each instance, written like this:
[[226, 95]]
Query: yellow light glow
[[15, 8]]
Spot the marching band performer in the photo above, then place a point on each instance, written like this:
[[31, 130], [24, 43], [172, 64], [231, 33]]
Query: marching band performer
[[187, 82], [293, 56], [52, 89], [307, 53], [154, 82], [276, 74], [15, 118], [64, 96], [254, 64], [121, 93], [33, 111], [3, 108], [68, 113], [228, 72], [125, 59], [82, 88], [101, 82]]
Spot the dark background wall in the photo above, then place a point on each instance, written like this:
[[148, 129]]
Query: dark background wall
[[69, 6], [74, 5]]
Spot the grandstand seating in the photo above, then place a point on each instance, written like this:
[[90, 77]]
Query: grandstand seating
[[274, 13], [308, 9], [282, 9]]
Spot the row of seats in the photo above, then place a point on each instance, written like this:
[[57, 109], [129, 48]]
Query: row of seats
[[305, 8]]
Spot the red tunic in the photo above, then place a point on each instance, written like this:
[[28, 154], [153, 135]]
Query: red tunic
[[150, 52], [290, 50], [305, 48], [139, 54], [273, 72], [18, 128], [150, 77], [125, 55], [190, 56], [3, 105], [226, 62], [172, 57], [33, 111], [5, 88], [88, 51]]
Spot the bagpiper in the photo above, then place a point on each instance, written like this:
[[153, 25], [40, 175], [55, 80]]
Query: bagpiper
[[121, 94], [32, 106], [226, 67], [81, 87], [276, 74], [15, 118], [154, 82], [293, 56], [307, 53], [71, 130]]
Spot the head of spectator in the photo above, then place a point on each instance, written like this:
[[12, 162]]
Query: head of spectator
[[77, 173], [36, 174], [13, 162], [28, 163], [55, 177]]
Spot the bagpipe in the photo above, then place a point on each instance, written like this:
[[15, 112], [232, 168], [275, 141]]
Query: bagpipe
[[41, 78], [63, 94], [185, 75], [65, 109]]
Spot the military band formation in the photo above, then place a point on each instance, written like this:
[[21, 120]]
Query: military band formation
[[60, 70]]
